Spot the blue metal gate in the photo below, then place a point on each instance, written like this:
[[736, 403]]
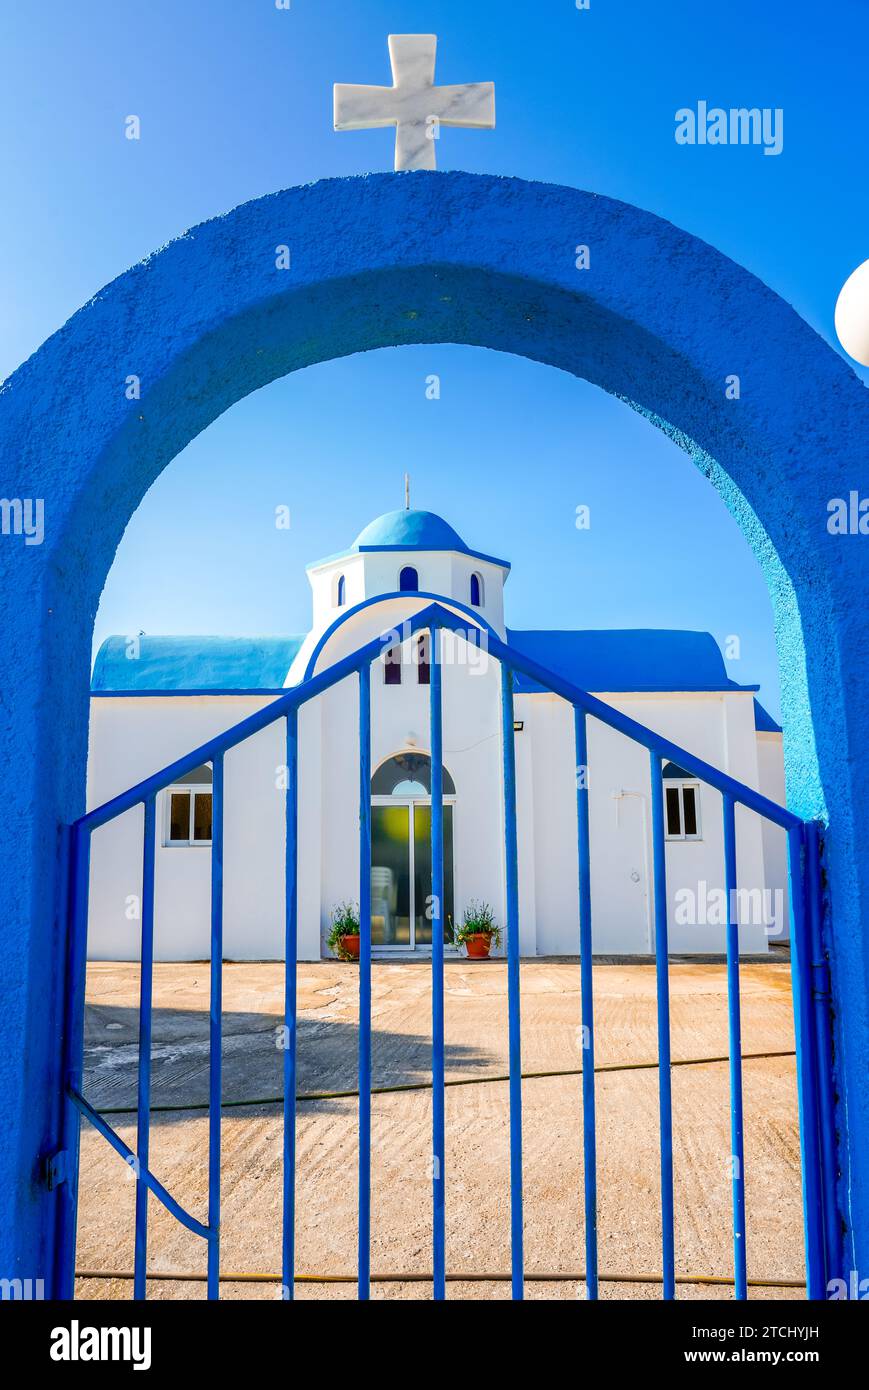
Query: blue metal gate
[[808, 970]]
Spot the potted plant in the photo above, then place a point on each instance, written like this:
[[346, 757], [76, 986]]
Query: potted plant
[[478, 930], [343, 938]]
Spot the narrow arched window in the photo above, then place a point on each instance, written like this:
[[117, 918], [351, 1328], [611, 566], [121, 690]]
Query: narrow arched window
[[392, 666], [423, 665], [476, 591], [342, 592], [408, 580]]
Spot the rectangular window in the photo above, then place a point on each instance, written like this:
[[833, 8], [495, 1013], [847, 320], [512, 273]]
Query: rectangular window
[[189, 818], [179, 817], [202, 816], [689, 804], [682, 811]]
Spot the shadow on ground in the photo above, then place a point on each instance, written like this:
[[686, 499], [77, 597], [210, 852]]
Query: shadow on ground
[[253, 1058]]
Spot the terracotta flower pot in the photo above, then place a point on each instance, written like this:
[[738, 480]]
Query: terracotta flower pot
[[350, 945], [478, 945]]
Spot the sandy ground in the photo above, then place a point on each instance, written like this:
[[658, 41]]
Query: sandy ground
[[477, 1188]]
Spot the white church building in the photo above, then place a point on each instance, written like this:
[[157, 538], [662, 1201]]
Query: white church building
[[156, 698]]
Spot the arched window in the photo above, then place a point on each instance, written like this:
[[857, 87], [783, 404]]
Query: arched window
[[408, 774], [408, 580], [681, 803], [341, 593], [476, 591], [392, 666], [423, 665]]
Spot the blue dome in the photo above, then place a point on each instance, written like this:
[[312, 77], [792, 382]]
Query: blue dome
[[414, 529], [409, 530]]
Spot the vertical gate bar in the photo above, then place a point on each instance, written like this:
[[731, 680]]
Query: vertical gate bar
[[824, 1046], [511, 856], [364, 1252], [734, 1029], [807, 1094], [215, 1042], [665, 1097], [437, 968], [146, 980], [589, 1141], [73, 1056], [291, 952]]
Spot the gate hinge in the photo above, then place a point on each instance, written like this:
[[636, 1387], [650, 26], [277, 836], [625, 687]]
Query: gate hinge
[[822, 987], [57, 1168]]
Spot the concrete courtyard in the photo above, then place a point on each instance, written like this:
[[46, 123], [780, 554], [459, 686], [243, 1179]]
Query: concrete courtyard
[[477, 1191]]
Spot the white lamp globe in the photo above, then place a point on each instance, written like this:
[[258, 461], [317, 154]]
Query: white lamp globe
[[852, 315]]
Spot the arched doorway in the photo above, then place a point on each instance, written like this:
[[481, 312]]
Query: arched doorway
[[659, 319], [401, 854]]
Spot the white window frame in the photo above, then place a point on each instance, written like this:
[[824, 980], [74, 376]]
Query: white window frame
[[184, 788], [680, 784]]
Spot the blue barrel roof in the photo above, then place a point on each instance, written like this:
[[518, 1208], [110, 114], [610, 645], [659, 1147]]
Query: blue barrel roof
[[644, 659], [193, 663]]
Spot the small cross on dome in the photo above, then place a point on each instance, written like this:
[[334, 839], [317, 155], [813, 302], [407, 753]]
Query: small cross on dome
[[413, 104]]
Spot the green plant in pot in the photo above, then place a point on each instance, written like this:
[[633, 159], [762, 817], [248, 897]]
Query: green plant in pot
[[343, 938], [478, 930]]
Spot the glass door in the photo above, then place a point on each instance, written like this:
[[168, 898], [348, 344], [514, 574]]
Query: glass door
[[422, 874], [401, 875], [390, 876]]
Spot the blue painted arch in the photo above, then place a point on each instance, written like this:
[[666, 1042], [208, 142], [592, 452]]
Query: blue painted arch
[[660, 319]]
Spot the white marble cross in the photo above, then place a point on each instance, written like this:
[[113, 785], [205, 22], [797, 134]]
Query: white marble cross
[[413, 104]]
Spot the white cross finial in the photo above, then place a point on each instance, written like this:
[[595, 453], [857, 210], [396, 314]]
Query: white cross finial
[[413, 104]]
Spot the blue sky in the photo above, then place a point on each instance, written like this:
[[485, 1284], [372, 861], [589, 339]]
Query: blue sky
[[234, 98]]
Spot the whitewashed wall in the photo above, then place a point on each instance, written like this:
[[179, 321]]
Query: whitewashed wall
[[132, 738], [718, 728]]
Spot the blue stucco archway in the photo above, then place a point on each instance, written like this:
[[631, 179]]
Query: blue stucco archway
[[659, 319]]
